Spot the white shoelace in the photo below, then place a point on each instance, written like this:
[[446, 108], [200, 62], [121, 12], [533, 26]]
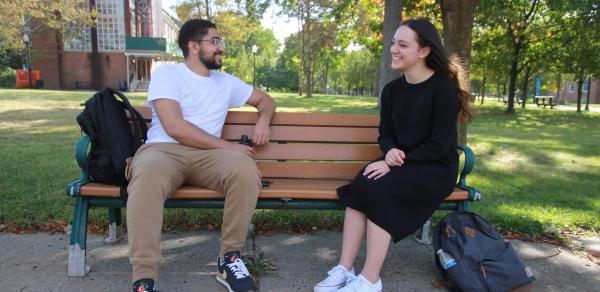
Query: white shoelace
[[239, 269], [336, 275]]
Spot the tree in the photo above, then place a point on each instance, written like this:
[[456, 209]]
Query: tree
[[205, 9], [358, 74], [37, 16], [391, 21], [320, 22], [580, 34], [254, 9], [518, 19], [457, 17], [286, 75]]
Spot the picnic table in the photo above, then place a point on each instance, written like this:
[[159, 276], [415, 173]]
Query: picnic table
[[544, 100]]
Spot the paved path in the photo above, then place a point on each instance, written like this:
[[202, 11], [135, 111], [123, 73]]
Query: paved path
[[574, 108], [37, 262]]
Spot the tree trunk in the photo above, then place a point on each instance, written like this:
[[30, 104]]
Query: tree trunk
[[207, 7], [308, 60], [325, 77], [579, 93], [377, 74], [301, 39], [482, 91], [525, 87], [392, 18], [510, 109], [558, 83], [498, 85], [587, 101], [96, 69], [60, 50], [457, 17]]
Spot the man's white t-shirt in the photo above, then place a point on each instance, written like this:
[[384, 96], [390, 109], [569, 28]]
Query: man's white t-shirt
[[204, 101]]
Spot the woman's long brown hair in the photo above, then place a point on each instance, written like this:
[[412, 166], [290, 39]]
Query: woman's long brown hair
[[438, 61]]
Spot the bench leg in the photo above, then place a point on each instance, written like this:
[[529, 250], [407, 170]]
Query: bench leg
[[422, 235], [464, 206], [115, 233], [76, 265]]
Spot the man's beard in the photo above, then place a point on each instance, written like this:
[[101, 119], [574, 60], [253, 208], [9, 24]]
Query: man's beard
[[210, 63]]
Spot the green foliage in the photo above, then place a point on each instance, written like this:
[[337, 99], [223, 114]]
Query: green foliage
[[8, 77], [580, 38], [17, 20], [285, 75], [356, 73]]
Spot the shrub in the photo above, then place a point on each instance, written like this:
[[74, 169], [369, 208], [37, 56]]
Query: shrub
[[8, 77]]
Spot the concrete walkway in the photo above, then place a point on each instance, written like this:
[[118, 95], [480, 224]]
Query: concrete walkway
[[38, 262], [574, 108]]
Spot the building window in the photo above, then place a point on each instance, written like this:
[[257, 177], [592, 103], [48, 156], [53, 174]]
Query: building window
[[572, 87], [110, 24], [77, 37], [585, 85], [110, 28]]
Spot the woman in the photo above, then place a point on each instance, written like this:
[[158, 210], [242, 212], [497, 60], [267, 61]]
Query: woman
[[394, 195]]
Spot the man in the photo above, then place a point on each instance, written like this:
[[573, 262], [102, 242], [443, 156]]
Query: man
[[189, 104]]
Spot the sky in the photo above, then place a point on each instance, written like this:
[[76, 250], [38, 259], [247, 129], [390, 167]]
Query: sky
[[281, 26]]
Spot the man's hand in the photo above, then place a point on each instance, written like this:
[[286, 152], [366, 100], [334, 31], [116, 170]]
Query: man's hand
[[376, 169], [266, 108], [261, 133], [242, 148], [395, 157]]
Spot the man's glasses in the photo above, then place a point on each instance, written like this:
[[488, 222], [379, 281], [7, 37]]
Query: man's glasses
[[216, 41]]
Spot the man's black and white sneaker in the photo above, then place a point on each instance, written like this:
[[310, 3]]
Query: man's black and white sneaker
[[233, 274], [144, 285]]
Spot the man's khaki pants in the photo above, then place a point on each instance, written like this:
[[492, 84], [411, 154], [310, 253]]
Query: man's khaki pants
[[158, 169]]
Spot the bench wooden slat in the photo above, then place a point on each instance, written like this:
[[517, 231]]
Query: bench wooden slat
[[328, 170], [298, 119], [307, 151], [280, 188], [306, 134], [304, 119]]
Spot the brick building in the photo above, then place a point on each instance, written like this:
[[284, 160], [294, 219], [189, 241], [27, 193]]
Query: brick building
[[569, 92], [129, 41]]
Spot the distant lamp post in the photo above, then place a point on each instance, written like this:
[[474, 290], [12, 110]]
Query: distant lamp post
[[254, 50], [26, 40]]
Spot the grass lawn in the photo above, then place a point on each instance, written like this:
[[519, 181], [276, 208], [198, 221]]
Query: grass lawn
[[536, 170]]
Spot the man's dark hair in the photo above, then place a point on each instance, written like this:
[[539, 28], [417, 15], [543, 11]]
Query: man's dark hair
[[193, 29]]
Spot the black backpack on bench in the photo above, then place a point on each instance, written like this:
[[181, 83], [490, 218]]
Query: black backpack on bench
[[475, 256], [113, 138]]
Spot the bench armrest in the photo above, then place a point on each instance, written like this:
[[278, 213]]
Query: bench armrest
[[474, 194], [469, 163], [81, 153]]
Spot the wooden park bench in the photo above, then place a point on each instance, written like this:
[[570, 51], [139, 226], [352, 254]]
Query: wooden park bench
[[517, 99], [309, 157], [544, 101]]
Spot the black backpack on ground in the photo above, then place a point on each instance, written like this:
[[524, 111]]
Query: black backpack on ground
[[483, 260], [113, 139]]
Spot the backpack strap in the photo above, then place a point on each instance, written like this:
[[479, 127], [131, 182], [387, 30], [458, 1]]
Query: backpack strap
[[139, 124]]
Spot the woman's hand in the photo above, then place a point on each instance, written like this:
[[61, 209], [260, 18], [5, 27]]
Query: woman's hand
[[395, 157], [376, 169]]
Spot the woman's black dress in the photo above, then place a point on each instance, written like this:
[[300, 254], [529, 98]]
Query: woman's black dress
[[419, 119]]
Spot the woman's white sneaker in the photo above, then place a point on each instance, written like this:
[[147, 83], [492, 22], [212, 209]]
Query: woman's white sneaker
[[337, 278], [361, 284]]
